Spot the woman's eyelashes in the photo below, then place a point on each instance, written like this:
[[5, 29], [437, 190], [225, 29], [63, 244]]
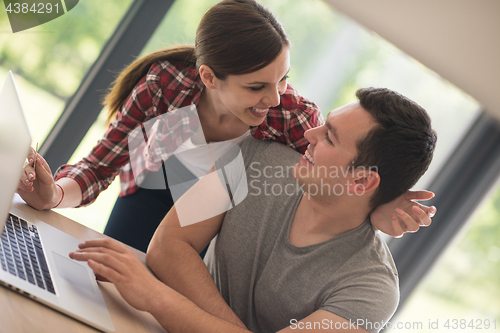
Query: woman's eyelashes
[[256, 88], [327, 138], [262, 87]]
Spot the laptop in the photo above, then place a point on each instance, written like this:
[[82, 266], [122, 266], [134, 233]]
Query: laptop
[[34, 255]]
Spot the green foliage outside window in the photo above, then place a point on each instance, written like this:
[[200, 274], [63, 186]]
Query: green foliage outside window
[[464, 283], [55, 56]]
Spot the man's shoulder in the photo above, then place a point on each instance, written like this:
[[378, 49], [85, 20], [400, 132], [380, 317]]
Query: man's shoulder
[[384, 254], [366, 288], [373, 254], [367, 258], [267, 151]]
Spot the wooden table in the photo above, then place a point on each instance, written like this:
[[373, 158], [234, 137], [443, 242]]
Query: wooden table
[[20, 314]]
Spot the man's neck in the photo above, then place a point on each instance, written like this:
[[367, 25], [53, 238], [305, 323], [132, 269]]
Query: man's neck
[[315, 221]]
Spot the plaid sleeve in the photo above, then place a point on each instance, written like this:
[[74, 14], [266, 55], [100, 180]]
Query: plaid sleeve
[[95, 172], [287, 122]]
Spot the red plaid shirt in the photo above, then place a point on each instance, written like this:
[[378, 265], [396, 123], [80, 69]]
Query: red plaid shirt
[[166, 87]]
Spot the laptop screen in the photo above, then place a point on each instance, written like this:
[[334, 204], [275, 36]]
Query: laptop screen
[[15, 141]]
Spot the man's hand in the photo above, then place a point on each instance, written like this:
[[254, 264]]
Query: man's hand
[[403, 214], [113, 262]]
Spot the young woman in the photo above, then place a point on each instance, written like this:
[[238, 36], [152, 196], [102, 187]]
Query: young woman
[[235, 75]]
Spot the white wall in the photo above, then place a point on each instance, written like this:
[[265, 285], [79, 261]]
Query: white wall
[[458, 39]]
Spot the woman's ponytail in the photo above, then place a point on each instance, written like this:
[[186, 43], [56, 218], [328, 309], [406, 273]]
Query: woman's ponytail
[[128, 78]]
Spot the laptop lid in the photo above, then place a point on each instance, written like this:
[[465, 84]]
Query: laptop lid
[[78, 294], [15, 141]]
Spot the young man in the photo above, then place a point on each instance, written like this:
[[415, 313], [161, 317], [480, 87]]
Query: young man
[[299, 251]]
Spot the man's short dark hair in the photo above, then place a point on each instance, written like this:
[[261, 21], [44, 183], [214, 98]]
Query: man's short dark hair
[[400, 147]]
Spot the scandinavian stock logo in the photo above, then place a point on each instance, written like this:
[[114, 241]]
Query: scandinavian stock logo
[[26, 14], [170, 151]]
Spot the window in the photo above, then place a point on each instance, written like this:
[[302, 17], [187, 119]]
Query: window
[[461, 292], [49, 61]]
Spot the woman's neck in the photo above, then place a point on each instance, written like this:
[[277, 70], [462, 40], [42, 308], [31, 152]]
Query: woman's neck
[[217, 123]]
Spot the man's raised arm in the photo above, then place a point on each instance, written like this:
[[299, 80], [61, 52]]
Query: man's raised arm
[[173, 254]]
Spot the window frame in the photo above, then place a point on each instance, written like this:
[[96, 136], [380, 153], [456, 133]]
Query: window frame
[[123, 47]]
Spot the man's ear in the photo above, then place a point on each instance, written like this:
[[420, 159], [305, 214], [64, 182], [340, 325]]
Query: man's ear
[[208, 77], [364, 181]]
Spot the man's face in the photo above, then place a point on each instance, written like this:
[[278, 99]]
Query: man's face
[[332, 149]]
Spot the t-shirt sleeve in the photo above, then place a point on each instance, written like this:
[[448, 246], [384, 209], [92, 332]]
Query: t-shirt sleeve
[[368, 299]]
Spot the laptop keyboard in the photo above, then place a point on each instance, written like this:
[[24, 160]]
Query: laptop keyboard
[[21, 253]]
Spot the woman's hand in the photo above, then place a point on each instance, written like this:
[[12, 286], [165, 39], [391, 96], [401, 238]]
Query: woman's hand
[[112, 262], [37, 186], [403, 214]]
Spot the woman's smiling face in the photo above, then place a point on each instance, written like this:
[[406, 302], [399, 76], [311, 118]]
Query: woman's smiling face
[[249, 96]]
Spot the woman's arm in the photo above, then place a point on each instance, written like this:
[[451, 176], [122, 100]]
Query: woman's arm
[[85, 180], [403, 214]]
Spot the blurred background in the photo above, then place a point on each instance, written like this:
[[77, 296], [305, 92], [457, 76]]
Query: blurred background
[[332, 56]]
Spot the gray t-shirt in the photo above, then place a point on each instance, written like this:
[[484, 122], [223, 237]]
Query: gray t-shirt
[[270, 283]]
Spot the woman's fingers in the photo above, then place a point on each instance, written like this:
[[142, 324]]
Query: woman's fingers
[[28, 174], [40, 172], [410, 224], [43, 172], [24, 183], [32, 153], [420, 213], [396, 227], [423, 214], [430, 211], [419, 195], [420, 216]]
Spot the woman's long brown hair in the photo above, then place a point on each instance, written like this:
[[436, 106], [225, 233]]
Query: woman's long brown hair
[[234, 37], [128, 78]]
